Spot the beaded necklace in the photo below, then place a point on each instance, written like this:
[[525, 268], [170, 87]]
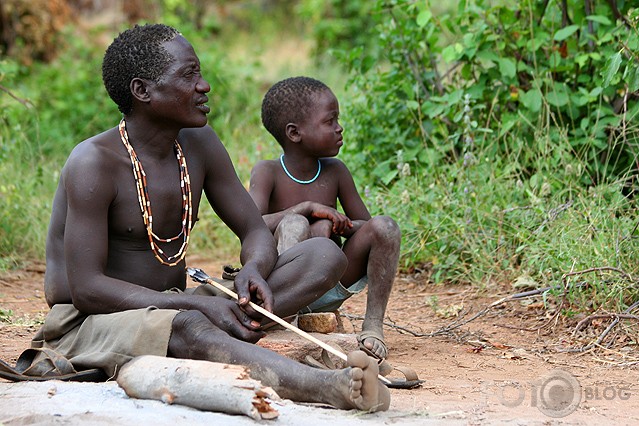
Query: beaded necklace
[[145, 202], [294, 179]]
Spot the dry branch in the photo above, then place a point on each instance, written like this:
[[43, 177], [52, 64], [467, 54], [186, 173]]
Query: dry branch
[[203, 385]]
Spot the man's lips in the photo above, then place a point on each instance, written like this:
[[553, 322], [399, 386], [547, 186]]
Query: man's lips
[[203, 107]]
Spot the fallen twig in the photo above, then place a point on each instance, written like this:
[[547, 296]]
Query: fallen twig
[[24, 102]]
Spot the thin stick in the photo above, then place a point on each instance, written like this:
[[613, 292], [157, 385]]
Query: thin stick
[[285, 324]]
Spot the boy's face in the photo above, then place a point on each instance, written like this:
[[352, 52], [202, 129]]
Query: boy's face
[[320, 132]]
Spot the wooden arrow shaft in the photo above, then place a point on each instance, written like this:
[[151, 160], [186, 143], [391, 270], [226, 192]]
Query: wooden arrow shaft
[[285, 324]]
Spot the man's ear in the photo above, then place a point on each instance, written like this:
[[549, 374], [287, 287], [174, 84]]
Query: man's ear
[[139, 90], [293, 133]]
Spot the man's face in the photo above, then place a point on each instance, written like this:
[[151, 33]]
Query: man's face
[[321, 132], [180, 93]]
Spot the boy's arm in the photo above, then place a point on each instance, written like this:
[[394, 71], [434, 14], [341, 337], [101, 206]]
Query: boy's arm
[[350, 199]]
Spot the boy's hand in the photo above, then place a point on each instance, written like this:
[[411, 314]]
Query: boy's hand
[[341, 222]]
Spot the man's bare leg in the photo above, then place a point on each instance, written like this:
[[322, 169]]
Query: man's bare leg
[[305, 272], [355, 387], [374, 251]]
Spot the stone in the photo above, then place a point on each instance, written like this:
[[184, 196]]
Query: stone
[[320, 322], [294, 346], [344, 324]]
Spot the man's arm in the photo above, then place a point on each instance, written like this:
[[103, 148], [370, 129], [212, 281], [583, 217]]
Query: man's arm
[[234, 206]]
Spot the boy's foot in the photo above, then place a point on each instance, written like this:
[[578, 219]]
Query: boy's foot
[[358, 387], [373, 344]]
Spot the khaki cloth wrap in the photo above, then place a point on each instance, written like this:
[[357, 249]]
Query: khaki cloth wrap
[[108, 341], [105, 341]]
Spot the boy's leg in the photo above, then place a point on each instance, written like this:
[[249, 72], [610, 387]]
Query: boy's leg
[[374, 251], [292, 229], [195, 337], [305, 272]]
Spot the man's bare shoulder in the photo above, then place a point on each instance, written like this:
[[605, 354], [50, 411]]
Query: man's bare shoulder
[[97, 151], [199, 138]]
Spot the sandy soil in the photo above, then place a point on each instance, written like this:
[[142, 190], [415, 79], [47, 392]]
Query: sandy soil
[[500, 368]]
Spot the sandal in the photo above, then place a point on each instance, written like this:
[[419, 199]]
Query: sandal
[[53, 367], [367, 334], [410, 380]]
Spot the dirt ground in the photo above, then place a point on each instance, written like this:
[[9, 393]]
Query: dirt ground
[[500, 368]]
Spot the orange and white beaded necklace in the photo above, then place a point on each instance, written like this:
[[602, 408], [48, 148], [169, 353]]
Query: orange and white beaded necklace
[[145, 202]]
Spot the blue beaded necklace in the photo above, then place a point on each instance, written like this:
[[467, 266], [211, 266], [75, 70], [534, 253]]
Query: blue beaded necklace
[[294, 179]]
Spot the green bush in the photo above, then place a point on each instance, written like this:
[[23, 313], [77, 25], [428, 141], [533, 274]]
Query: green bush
[[501, 137]]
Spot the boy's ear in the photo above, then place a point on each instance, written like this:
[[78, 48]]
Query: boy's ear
[[293, 132], [139, 90]]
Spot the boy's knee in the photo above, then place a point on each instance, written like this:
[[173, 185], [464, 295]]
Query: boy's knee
[[292, 229], [191, 323], [386, 229], [294, 220], [293, 226]]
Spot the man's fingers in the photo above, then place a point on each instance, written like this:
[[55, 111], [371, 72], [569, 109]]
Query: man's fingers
[[243, 295], [246, 328]]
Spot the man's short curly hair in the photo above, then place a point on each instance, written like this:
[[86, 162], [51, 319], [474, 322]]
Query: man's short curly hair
[[136, 53], [289, 101]]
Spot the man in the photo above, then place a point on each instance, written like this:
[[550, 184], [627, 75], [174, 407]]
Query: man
[[120, 226]]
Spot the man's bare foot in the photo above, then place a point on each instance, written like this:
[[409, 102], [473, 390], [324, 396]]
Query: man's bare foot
[[360, 388]]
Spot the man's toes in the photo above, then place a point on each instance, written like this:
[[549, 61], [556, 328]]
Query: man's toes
[[358, 359]]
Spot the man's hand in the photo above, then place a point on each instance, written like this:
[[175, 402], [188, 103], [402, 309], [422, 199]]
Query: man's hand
[[251, 286], [227, 315]]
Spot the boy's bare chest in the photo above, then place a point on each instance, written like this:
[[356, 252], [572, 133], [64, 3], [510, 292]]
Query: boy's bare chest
[[288, 193]]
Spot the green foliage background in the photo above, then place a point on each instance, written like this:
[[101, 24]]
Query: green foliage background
[[502, 136]]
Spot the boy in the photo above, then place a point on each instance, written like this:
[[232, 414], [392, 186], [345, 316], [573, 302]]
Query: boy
[[298, 193]]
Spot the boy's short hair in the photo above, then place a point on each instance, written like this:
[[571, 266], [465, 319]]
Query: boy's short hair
[[288, 101], [136, 53]]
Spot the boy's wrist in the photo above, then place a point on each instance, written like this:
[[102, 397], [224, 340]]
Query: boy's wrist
[[303, 208]]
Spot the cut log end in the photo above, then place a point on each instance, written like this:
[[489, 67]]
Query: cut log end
[[204, 385]]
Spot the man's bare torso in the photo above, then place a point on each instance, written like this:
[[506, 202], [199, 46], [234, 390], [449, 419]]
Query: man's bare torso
[[130, 257]]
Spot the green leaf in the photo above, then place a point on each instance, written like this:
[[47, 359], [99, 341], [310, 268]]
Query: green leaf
[[633, 84], [423, 18], [557, 98], [389, 176], [565, 32], [531, 100], [507, 67], [611, 68], [412, 104], [600, 19], [452, 53]]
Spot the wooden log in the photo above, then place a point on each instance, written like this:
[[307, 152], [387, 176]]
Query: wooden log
[[204, 385]]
